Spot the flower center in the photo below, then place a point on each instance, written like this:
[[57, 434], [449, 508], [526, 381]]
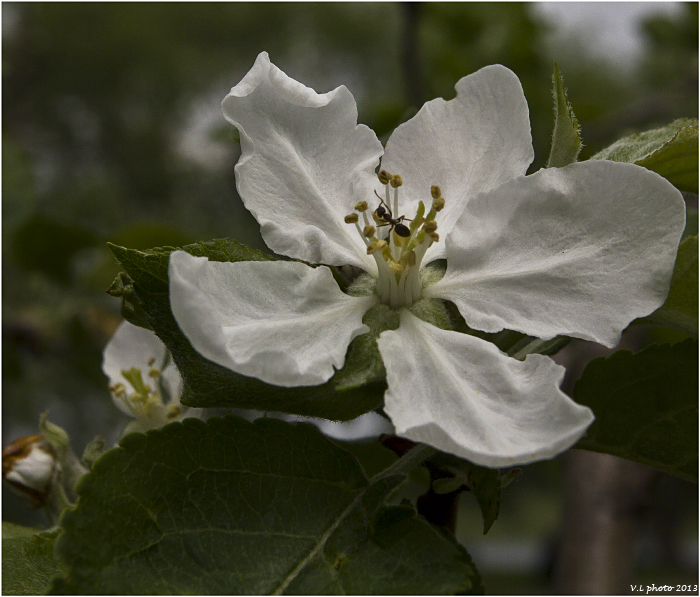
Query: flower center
[[398, 244], [144, 401]]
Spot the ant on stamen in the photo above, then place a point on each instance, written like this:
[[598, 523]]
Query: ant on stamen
[[383, 212]]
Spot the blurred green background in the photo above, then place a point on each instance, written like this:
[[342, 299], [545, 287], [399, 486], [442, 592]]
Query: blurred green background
[[112, 131]]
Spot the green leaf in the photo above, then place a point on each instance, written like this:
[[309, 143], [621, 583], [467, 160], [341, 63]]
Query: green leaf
[[671, 151], [646, 406], [28, 565], [681, 307], [234, 507], [566, 137], [485, 485], [356, 389]]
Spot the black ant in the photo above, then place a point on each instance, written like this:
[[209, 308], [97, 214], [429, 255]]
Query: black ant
[[383, 212]]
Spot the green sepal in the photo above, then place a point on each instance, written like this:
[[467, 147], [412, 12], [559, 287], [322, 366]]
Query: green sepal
[[96, 448], [681, 307], [671, 151], [566, 136], [131, 309], [355, 389], [484, 484], [28, 564], [646, 406], [233, 507]]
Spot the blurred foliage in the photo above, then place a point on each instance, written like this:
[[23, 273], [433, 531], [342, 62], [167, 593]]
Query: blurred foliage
[[112, 131]]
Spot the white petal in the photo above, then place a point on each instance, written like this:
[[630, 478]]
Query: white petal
[[462, 395], [305, 162], [283, 322], [468, 145], [579, 251], [132, 346], [368, 426]]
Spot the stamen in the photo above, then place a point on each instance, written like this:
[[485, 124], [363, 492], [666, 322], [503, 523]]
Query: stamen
[[430, 226], [362, 236], [400, 253], [377, 245], [361, 206]]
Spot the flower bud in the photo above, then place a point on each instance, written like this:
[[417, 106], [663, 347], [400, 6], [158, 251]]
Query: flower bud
[[31, 467]]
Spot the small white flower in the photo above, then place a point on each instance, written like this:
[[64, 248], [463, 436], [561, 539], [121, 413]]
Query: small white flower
[[577, 251], [143, 380]]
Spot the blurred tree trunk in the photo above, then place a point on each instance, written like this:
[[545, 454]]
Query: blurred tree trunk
[[604, 497], [409, 53]]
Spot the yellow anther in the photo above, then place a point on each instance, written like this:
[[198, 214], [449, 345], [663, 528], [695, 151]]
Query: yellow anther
[[369, 231], [435, 236], [351, 218], [118, 388], [173, 411], [435, 191], [361, 206], [153, 372], [438, 204], [430, 226], [397, 268], [384, 177], [151, 361], [377, 245], [396, 181], [408, 259]]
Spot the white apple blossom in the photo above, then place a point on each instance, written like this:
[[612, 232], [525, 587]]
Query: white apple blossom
[[143, 380], [577, 251]]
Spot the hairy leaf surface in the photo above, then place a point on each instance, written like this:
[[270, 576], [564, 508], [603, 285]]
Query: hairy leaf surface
[[671, 151], [233, 507], [28, 565]]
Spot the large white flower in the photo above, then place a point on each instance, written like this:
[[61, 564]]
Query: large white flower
[[143, 380], [578, 251]]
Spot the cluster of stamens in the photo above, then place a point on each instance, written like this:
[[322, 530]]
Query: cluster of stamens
[[144, 399], [398, 252]]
